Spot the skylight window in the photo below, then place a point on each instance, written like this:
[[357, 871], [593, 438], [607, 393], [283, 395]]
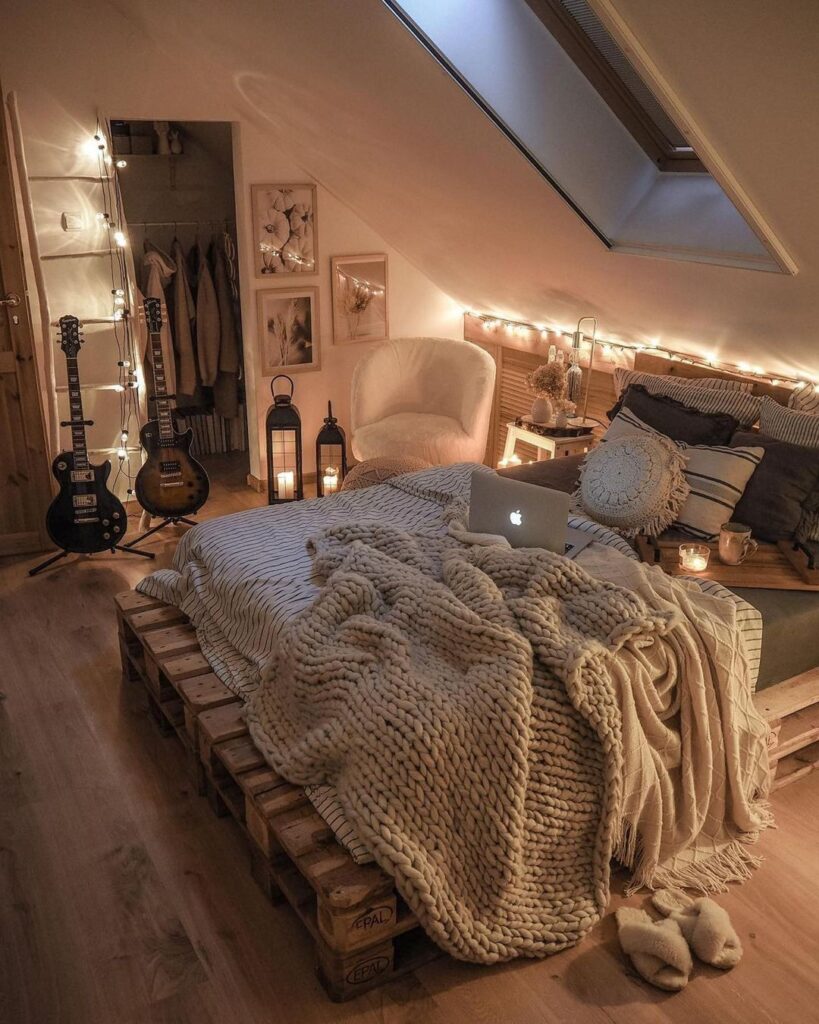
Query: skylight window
[[557, 82], [587, 41]]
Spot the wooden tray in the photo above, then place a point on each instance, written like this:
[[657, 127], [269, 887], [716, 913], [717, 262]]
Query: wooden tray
[[778, 566]]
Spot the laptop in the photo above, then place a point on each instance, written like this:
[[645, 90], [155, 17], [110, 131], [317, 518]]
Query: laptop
[[528, 516]]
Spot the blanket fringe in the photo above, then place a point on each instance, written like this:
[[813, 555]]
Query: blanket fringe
[[734, 863]]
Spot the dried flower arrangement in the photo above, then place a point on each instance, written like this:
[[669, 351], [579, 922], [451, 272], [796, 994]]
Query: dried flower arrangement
[[548, 381]]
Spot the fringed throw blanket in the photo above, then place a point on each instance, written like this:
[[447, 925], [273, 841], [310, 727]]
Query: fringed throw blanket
[[498, 723]]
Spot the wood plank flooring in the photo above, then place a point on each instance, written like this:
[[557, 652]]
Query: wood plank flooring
[[123, 900]]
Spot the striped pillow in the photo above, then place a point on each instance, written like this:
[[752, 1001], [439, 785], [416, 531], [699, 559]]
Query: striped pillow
[[805, 398], [653, 381], [795, 427], [624, 424], [718, 477], [742, 406]]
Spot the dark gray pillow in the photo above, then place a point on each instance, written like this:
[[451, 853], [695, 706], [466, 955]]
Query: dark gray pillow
[[675, 419], [784, 486]]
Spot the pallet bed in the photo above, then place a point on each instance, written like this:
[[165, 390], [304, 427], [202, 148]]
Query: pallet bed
[[364, 934]]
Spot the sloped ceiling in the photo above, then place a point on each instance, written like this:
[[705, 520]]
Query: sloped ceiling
[[357, 102]]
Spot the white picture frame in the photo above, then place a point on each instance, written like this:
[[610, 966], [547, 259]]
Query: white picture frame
[[360, 291], [285, 230], [288, 325]]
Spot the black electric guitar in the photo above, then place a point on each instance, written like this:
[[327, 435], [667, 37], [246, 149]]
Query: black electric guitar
[[171, 483], [85, 516]]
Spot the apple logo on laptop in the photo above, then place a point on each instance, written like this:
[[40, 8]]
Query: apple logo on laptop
[[515, 518]]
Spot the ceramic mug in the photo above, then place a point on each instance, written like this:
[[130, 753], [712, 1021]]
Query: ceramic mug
[[735, 543]]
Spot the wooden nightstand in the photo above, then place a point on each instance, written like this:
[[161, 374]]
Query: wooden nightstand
[[556, 447]]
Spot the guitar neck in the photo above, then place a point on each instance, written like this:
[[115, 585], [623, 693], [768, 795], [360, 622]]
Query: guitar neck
[[78, 440], [162, 402]]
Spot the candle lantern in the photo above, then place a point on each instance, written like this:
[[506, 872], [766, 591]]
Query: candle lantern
[[283, 426], [331, 455]]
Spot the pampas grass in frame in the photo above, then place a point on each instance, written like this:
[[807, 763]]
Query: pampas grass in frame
[[289, 336]]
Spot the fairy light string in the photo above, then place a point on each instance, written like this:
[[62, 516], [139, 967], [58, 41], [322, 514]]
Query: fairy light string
[[525, 328], [128, 384]]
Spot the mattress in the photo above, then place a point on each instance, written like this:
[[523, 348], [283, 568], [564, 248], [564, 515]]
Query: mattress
[[242, 577]]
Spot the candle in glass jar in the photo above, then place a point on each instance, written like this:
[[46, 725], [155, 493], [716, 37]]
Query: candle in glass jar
[[285, 482], [694, 557], [329, 481]]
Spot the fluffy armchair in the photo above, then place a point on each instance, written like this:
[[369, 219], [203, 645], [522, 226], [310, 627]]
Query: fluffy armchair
[[426, 397]]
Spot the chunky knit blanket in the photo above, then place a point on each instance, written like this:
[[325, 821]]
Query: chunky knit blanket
[[498, 723]]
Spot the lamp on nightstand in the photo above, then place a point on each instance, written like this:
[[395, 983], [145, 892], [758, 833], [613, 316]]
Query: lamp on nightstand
[[575, 373]]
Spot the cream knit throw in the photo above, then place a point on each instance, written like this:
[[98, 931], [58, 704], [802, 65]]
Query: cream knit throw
[[466, 703]]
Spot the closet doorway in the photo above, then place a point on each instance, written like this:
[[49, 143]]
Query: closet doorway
[[177, 189]]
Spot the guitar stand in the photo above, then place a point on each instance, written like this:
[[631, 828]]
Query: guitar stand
[[170, 521], [64, 554]]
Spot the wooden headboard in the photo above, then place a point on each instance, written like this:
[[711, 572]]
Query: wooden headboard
[[647, 363]]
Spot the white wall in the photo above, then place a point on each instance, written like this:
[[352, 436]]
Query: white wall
[[343, 91], [132, 77]]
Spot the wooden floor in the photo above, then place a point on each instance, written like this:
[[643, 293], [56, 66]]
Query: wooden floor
[[123, 900]]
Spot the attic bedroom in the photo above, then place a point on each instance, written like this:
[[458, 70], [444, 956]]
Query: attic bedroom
[[409, 512]]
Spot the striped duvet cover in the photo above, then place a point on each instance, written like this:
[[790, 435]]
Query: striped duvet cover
[[240, 578]]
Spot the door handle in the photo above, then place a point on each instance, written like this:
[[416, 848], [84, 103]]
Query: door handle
[[10, 300]]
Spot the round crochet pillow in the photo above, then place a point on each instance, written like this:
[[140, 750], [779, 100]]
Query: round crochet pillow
[[633, 485], [376, 471]]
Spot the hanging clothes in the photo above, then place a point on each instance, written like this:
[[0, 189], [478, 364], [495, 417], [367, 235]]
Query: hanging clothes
[[226, 385], [208, 324], [183, 318], [158, 269]]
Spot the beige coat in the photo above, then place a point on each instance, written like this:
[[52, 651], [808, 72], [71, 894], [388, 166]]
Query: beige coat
[[184, 313], [208, 323]]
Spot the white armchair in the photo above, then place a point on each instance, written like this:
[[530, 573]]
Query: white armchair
[[426, 397]]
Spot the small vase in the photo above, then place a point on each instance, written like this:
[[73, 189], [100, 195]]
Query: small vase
[[542, 410], [562, 419]]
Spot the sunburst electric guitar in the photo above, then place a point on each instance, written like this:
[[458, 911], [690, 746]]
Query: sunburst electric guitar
[[171, 483], [85, 516]]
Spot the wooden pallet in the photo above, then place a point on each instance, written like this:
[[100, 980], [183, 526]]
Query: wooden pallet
[[364, 933], [792, 709]]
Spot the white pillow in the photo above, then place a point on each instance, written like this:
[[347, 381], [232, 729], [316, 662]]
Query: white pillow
[[633, 485], [717, 476]]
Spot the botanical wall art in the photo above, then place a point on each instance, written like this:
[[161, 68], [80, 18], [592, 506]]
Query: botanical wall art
[[288, 329], [359, 298], [285, 235]]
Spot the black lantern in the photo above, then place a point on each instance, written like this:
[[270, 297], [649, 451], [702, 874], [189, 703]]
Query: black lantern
[[284, 474], [331, 455]]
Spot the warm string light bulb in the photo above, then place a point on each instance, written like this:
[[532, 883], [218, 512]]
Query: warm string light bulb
[[121, 163], [122, 454], [120, 239]]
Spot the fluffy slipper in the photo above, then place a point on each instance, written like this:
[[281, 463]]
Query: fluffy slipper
[[657, 949], [705, 925]]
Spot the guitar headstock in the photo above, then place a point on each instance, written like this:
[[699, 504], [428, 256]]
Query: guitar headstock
[[70, 335], [153, 314]]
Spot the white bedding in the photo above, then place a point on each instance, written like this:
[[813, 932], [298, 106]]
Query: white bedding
[[240, 578]]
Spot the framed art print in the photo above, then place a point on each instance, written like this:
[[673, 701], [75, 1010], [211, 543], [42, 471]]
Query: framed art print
[[288, 329], [360, 291], [285, 236]]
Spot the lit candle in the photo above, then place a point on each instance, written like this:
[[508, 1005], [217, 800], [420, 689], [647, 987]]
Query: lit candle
[[514, 460], [694, 557], [503, 464], [330, 480], [285, 482]]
